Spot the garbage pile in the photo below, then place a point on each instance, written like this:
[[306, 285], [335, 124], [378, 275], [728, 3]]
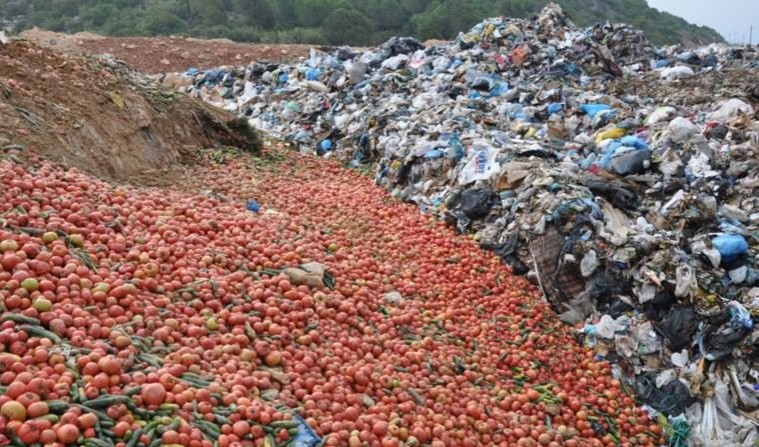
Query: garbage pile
[[622, 178]]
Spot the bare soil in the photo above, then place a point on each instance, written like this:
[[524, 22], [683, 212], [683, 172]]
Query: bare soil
[[101, 117], [156, 55]]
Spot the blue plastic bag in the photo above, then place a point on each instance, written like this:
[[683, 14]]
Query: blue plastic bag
[[662, 63], [499, 89], [458, 151], [253, 206], [306, 436], [326, 145], [312, 74], [594, 109], [434, 153], [730, 246], [555, 107]]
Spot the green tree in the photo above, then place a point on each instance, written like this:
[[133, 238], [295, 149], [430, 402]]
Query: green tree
[[344, 26], [208, 12], [311, 13], [386, 14], [284, 11], [257, 13], [447, 18], [96, 16], [161, 21]]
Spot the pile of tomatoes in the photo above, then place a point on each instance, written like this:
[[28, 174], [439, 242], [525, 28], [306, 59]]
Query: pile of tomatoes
[[146, 317]]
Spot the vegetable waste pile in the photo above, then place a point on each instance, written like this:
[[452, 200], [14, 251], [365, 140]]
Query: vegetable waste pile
[[324, 311]]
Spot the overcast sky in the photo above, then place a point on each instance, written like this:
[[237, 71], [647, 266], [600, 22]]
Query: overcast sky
[[732, 18]]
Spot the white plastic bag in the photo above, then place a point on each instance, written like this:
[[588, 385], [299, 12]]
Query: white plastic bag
[[676, 72], [731, 109], [682, 129], [708, 432], [481, 165]]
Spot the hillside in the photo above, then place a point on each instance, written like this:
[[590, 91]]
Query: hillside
[[355, 22]]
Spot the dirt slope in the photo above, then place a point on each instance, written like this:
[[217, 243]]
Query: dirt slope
[[166, 54], [99, 116]]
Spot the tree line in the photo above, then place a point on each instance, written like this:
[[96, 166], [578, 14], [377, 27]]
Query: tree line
[[332, 22]]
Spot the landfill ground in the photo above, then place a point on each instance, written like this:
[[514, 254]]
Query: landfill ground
[[533, 235]]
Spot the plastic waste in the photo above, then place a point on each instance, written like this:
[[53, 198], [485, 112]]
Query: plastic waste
[[731, 109], [605, 328], [660, 114], [481, 165], [474, 204], [718, 339], [252, 205], [730, 246], [678, 327], [686, 283], [589, 263], [677, 72], [306, 436], [682, 129], [555, 108], [592, 110], [671, 399], [611, 134]]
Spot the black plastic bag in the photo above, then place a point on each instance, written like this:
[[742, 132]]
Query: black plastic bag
[[507, 252], [605, 286], [477, 203], [721, 335], [474, 204], [401, 45], [615, 193], [671, 399], [678, 326], [617, 308]]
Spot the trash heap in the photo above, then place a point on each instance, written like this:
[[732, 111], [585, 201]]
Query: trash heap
[[622, 178]]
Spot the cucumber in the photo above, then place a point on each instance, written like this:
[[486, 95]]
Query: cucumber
[[53, 418], [222, 419], [95, 442], [169, 407], [36, 331], [57, 406], [132, 391], [20, 319], [102, 417], [106, 401], [134, 438], [284, 424], [209, 430], [77, 393], [197, 377]]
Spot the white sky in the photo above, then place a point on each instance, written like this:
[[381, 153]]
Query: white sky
[[731, 18]]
